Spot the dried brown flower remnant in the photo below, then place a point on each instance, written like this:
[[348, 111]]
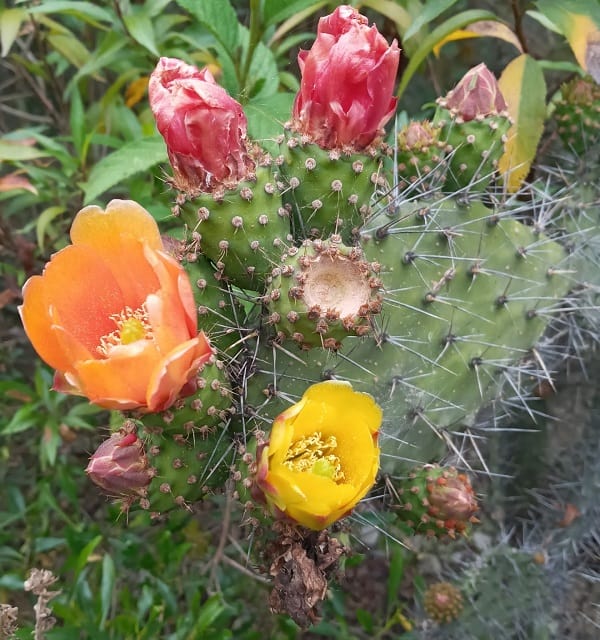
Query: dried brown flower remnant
[[301, 563], [38, 582], [8, 621]]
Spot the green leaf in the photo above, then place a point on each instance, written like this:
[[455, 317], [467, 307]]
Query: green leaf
[[10, 23], [23, 419], [44, 220], [136, 156], [276, 11], [15, 151], [140, 28], [81, 10], [263, 78], [77, 121], [266, 118], [70, 47], [85, 553], [209, 612], [452, 24], [430, 12], [393, 11], [218, 17], [107, 586]]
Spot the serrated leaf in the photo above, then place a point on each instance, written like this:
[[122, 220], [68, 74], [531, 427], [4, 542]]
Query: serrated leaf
[[458, 21], [218, 17], [266, 119], [523, 86], [482, 29], [136, 156], [10, 23]]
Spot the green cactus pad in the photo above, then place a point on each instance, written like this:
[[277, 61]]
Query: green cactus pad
[[322, 292], [467, 294], [219, 310], [242, 231]]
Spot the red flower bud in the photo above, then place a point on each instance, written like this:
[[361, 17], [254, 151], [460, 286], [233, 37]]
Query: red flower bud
[[203, 126], [477, 94], [119, 465], [346, 91]]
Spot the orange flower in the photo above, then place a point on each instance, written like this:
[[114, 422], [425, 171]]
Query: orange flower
[[115, 315]]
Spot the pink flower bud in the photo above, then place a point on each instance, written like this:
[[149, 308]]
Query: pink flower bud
[[119, 465], [477, 94], [346, 92], [203, 126]]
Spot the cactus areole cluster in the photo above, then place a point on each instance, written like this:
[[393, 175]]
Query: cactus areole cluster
[[338, 311]]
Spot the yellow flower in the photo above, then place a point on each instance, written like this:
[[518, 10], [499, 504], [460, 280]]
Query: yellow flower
[[322, 455]]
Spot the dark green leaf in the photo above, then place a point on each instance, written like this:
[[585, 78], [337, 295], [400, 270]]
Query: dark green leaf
[[140, 155], [218, 17]]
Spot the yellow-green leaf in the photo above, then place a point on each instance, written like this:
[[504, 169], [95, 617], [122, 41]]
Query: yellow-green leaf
[[10, 23], [482, 29], [579, 22], [523, 86]]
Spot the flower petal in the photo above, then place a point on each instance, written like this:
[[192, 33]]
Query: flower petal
[[77, 291], [174, 371]]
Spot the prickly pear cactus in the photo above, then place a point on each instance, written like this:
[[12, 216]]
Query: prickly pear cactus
[[422, 295]]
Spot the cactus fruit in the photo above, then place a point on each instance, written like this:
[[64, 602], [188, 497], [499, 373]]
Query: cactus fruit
[[577, 114], [119, 466], [437, 501], [419, 156], [443, 602], [242, 230], [329, 191], [474, 122], [322, 292]]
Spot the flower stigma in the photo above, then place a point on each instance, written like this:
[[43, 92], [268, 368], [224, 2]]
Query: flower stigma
[[315, 455]]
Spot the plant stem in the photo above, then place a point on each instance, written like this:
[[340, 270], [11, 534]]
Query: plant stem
[[253, 40]]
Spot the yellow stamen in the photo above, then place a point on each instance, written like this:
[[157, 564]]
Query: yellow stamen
[[315, 455], [132, 325]]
